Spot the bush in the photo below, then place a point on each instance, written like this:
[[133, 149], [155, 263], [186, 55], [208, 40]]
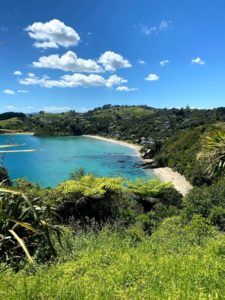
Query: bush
[[26, 230], [104, 199], [4, 177], [209, 202], [176, 262], [152, 192]]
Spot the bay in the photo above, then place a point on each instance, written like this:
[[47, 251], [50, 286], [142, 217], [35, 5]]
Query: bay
[[56, 157]]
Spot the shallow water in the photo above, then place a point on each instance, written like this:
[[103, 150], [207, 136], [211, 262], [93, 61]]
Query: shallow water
[[57, 157]]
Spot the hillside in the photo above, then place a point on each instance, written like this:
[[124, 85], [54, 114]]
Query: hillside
[[134, 123]]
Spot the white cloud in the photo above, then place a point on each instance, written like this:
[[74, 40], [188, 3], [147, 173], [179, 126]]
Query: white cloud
[[46, 45], [113, 61], [8, 92], [114, 80], [163, 26], [18, 73], [22, 91], [4, 29], [147, 30], [52, 34], [74, 80], [197, 61], [55, 109], [124, 88], [68, 62], [10, 107], [141, 62], [152, 77], [164, 62], [31, 75]]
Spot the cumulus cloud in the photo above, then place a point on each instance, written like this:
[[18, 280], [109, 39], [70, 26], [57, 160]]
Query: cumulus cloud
[[164, 62], [164, 25], [74, 80], [112, 61], [197, 61], [30, 75], [141, 62], [68, 62], [17, 73], [8, 92], [124, 88], [152, 77], [52, 34]]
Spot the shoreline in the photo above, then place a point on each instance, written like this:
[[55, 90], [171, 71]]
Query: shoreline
[[164, 174], [18, 133], [137, 148]]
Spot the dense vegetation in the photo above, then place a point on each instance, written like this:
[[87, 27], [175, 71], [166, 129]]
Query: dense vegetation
[[139, 124], [176, 262], [108, 238], [186, 153]]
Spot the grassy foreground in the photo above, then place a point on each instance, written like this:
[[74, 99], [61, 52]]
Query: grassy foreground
[[177, 262]]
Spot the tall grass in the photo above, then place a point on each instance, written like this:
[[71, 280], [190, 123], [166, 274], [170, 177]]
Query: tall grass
[[176, 262]]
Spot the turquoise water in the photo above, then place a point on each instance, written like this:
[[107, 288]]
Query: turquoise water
[[57, 157]]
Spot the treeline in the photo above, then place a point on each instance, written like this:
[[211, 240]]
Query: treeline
[[139, 124], [10, 115]]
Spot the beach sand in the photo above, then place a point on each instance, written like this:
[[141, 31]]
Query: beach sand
[[164, 174]]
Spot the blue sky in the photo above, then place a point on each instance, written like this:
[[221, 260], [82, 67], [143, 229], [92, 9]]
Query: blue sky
[[58, 55]]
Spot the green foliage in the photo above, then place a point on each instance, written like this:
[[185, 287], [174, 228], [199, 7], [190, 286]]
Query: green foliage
[[123, 122], [25, 229], [28, 217], [212, 155], [4, 177], [94, 197], [180, 153], [111, 199], [209, 202], [183, 151], [153, 192], [176, 262], [77, 174]]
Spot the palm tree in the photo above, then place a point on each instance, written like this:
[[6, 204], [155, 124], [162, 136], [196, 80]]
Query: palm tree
[[212, 154]]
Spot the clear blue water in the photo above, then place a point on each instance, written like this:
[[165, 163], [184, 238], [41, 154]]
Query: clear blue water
[[57, 157]]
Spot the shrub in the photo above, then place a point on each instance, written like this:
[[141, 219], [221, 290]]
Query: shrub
[[209, 202], [152, 192], [25, 229], [4, 177], [90, 197]]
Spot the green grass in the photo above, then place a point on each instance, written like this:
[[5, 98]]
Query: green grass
[[176, 262], [126, 112]]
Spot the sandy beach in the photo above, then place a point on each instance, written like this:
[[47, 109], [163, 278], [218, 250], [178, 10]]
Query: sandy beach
[[178, 180], [164, 174], [137, 148]]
